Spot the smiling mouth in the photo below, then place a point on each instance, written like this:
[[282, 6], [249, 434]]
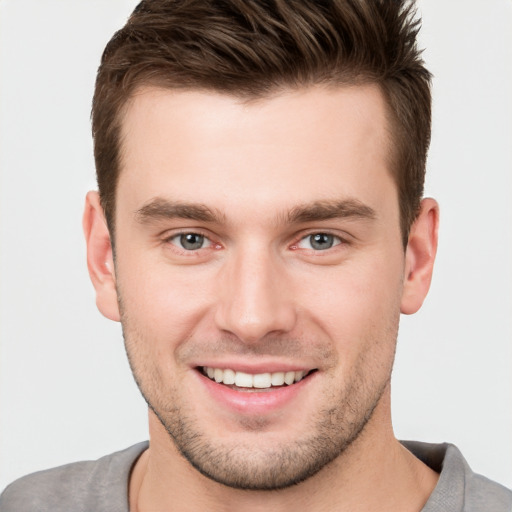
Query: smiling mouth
[[260, 381]]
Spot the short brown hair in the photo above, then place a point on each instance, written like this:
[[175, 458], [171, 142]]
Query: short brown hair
[[251, 48]]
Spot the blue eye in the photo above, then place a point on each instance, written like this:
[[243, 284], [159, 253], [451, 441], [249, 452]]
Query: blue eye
[[190, 241], [319, 241]]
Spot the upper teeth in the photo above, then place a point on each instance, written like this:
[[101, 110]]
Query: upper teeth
[[248, 380]]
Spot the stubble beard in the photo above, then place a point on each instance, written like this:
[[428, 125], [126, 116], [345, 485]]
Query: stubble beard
[[247, 466]]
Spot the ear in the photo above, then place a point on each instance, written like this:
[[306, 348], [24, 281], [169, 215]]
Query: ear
[[100, 261], [419, 257]]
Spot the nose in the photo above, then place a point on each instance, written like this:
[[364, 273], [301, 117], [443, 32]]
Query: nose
[[254, 298]]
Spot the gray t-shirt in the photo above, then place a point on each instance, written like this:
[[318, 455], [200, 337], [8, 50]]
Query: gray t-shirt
[[102, 485]]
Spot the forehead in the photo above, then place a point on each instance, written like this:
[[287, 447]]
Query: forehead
[[294, 146]]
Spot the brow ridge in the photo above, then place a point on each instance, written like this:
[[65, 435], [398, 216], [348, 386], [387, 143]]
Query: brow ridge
[[325, 210], [159, 208]]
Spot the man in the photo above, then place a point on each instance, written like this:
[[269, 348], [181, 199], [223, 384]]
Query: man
[[259, 228]]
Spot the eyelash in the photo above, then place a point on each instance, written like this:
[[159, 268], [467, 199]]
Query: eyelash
[[212, 245], [215, 246], [337, 241]]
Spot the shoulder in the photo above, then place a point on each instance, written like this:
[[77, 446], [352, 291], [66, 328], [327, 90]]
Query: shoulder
[[459, 488], [484, 494], [82, 486]]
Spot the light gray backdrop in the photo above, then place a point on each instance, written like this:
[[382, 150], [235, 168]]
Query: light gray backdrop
[[66, 392]]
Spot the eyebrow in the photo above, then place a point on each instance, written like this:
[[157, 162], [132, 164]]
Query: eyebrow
[[163, 209], [325, 210]]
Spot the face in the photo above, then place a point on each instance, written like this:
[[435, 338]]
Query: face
[[259, 271]]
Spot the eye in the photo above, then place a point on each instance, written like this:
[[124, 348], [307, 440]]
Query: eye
[[190, 241], [319, 241]]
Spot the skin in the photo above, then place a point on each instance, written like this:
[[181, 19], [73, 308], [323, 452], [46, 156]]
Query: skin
[[258, 295]]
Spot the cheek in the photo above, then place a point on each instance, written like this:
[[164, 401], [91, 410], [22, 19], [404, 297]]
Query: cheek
[[165, 301], [355, 305]]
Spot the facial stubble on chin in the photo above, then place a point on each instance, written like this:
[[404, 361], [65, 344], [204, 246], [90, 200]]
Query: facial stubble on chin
[[331, 430]]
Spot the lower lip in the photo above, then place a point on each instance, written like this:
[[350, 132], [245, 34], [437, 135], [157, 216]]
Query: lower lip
[[254, 401]]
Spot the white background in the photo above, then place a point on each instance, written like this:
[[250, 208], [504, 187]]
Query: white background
[[66, 392]]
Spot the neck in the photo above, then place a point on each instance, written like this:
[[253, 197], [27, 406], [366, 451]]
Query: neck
[[374, 473]]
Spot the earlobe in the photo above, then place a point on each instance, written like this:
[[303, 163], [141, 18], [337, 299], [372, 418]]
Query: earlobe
[[100, 260], [420, 256]]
